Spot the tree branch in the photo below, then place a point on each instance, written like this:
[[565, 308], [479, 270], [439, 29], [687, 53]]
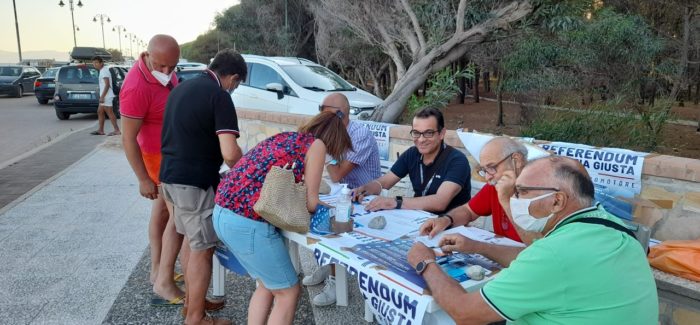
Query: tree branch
[[416, 26], [460, 16]]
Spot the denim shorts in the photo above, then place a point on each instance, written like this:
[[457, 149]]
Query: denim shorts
[[258, 246]]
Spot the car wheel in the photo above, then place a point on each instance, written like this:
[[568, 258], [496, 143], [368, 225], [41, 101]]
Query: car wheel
[[19, 92], [62, 115], [42, 101]]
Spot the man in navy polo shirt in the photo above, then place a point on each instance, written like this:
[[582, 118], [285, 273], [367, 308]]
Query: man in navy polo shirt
[[199, 133], [440, 174]]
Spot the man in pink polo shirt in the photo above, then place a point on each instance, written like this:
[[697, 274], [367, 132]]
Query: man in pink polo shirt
[[142, 98]]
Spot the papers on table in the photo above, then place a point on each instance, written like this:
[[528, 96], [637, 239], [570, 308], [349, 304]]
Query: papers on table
[[399, 223], [474, 233]]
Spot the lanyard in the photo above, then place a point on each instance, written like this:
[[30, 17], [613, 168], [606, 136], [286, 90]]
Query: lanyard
[[430, 181], [213, 76]]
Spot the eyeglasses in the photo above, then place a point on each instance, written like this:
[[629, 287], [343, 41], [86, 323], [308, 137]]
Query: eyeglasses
[[415, 134], [520, 189], [491, 170]]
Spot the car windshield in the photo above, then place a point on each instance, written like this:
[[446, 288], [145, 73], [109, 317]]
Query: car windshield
[[50, 73], [10, 71], [317, 78], [78, 74]]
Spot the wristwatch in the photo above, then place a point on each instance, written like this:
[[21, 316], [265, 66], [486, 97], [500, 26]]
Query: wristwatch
[[399, 201], [422, 265]]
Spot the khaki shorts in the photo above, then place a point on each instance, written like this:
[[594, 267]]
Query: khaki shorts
[[193, 209]]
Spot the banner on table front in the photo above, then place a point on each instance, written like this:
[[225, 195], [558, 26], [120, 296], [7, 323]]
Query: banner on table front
[[616, 173], [381, 134], [391, 303]]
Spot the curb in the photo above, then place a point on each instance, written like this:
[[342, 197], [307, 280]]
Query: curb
[[43, 146], [47, 181]]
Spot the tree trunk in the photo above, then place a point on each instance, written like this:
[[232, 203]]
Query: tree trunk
[[462, 83], [487, 81], [683, 67], [697, 89], [476, 85], [442, 55], [499, 97]]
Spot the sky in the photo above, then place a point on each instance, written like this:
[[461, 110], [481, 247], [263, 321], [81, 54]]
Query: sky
[[44, 26]]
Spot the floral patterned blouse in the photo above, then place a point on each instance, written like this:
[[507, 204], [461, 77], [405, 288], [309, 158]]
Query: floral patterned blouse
[[240, 188]]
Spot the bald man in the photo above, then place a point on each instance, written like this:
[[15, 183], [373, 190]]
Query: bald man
[[502, 158], [587, 267], [143, 97]]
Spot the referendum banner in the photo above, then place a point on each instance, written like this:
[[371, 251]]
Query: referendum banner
[[381, 134], [616, 173]]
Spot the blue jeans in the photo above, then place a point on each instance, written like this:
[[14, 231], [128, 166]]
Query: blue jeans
[[258, 246]]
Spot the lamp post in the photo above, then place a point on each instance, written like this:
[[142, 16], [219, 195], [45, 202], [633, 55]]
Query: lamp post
[[19, 46], [119, 29], [102, 22], [80, 5], [131, 47]]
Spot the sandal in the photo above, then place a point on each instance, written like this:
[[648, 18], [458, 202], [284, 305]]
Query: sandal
[[114, 133], [97, 133], [161, 302]]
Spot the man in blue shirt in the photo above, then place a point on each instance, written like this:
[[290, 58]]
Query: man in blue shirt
[[360, 165], [440, 174]]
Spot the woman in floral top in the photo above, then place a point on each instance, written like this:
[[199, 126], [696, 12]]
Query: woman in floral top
[[256, 244]]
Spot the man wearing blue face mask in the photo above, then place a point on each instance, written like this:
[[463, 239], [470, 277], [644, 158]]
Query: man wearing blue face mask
[[586, 269]]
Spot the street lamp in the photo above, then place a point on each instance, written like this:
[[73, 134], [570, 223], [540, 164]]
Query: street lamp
[[102, 22], [119, 29], [80, 5], [131, 37]]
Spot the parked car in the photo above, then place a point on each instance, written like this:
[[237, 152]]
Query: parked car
[[296, 85], [45, 86], [187, 74], [187, 65], [77, 89], [16, 80]]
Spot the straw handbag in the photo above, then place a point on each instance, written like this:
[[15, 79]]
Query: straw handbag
[[282, 201]]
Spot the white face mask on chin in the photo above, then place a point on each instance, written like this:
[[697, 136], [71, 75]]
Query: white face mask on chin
[[163, 78], [520, 209]]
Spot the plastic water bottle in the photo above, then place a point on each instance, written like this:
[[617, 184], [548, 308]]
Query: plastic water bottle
[[344, 206]]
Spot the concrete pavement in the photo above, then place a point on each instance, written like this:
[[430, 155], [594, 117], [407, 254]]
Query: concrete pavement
[[74, 248]]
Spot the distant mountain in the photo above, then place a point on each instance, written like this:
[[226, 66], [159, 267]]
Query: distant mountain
[[11, 57]]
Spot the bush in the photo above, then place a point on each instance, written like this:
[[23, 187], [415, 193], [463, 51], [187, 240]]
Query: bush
[[603, 125], [442, 88]]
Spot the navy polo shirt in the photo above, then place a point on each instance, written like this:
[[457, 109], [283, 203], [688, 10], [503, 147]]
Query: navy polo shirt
[[197, 111], [455, 169]]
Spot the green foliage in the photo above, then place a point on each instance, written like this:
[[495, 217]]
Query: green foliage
[[442, 88], [603, 125], [116, 55], [204, 47]]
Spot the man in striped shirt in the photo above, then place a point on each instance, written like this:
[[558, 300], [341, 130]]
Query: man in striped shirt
[[359, 166]]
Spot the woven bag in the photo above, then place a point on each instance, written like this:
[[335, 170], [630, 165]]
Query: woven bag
[[282, 201]]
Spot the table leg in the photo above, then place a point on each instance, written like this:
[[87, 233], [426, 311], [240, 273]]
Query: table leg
[[218, 277], [293, 249], [341, 285], [369, 316]]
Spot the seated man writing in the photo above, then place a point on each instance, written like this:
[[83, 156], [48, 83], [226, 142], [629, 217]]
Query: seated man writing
[[440, 174], [500, 157], [586, 269]]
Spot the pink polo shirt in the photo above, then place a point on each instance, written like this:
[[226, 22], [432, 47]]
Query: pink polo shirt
[[143, 97]]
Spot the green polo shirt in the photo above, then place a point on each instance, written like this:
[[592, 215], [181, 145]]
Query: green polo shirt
[[577, 274]]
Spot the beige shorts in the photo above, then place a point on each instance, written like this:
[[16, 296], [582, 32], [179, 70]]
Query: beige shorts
[[193, 209]]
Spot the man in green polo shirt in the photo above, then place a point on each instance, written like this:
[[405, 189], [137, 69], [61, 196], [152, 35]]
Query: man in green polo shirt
[[585, 270]]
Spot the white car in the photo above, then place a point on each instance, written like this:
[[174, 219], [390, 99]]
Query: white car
[[298, 86]]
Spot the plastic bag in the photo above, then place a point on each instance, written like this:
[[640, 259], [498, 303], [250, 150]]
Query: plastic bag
[[678, 257]]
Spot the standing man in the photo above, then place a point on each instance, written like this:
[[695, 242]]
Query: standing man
[[199, 133], [359, 166], [143, 97], [106, 98], [586, 269], [440, 174]]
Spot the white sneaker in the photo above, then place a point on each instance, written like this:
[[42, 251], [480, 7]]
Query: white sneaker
[[317, 277], [327, 295]]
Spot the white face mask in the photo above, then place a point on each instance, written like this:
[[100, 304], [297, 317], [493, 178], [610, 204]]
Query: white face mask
[[520, 209], [163, 78]]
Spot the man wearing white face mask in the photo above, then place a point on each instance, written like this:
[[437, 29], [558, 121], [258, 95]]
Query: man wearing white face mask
[[501, 157], [586, 269]]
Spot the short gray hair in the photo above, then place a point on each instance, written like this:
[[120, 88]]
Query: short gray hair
[[511, 146]]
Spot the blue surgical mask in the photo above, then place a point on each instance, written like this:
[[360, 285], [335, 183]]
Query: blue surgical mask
[[520, 210]]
